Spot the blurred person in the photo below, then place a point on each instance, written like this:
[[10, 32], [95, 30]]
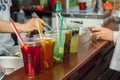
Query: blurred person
[[108, 34], [6, 39]]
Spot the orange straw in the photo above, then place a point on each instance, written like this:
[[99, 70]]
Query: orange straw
[[17, 32]]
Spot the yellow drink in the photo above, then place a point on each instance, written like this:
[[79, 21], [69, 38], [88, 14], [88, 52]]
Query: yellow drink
[[74, 40]]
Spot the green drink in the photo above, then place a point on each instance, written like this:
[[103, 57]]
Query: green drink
[[59, 48], [59, 45]]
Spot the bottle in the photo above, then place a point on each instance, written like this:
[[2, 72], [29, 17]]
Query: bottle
[[53, 3], [21, 19], [99, 7], [21, 16]]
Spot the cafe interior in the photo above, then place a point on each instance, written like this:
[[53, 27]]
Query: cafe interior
[[62, 48]]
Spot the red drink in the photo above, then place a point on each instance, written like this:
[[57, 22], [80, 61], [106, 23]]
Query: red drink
[[32, 57], [82, 6], [53, 3]]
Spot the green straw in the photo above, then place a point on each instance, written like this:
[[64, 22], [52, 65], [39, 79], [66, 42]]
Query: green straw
[[61, 25], [61, 20]]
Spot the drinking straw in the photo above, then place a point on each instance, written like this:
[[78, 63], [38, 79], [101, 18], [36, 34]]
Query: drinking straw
[[34, 15], [17, 32], [40, 28], [61, 26], [61, 20], [57, 22], [46, 25], [45, 29]]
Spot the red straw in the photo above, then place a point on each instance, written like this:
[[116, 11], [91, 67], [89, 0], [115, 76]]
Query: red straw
[[17, 32]]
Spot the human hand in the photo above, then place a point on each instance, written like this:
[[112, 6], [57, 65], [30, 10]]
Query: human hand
[[102, 33], [30, 25]]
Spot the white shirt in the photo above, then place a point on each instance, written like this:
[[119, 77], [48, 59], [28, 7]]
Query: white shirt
[[115, 61], [6, 40], [115, 34]]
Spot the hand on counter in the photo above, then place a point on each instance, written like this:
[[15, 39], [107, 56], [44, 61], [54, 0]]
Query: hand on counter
[[102, 33]]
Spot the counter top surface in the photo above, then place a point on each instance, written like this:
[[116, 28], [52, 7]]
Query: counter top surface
[[87, 50]]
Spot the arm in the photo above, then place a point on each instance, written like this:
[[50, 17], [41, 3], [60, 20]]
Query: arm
[[26, 27], [5, 26]]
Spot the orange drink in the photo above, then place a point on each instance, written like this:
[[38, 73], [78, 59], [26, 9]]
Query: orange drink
[[48, 51]]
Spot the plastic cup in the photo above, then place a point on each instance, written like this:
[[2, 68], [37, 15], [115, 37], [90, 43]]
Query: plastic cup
[[62, 47], [59, 45], [74, 28], [82, 5], [32, 56], [68, 36], [48, 50], [2, 72], [59, 48]]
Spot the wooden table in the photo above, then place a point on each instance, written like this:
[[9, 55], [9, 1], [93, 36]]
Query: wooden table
[[75, 66]]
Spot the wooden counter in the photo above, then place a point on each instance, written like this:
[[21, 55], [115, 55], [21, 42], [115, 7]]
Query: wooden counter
[[92, 58]]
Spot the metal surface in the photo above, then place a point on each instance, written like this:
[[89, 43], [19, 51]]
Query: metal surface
[[12, 61], [89, 13]]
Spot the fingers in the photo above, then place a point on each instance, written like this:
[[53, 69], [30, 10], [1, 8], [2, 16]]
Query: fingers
[[98, 33], [42, 21], [34, 20], [102, 33], [95, 29]]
